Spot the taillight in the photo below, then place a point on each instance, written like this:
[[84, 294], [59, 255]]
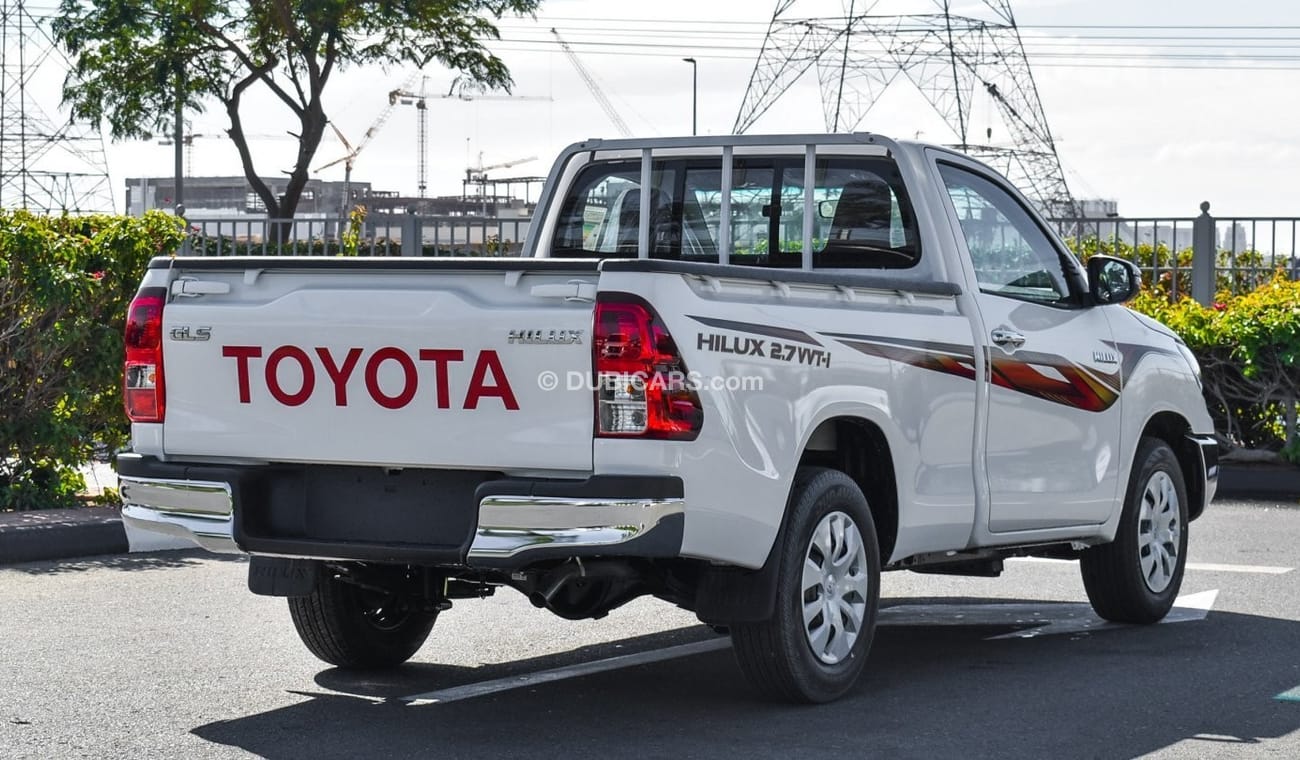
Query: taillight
[[643, 388], [143, 377]]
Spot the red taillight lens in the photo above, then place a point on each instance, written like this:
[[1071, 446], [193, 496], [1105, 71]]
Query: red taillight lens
[[142, 383], [643, 389]]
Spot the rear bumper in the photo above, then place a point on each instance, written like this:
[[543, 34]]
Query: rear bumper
[[418, 517]]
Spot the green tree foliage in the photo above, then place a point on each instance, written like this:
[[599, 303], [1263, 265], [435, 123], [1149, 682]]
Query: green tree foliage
[[132, 59], [65, 284]]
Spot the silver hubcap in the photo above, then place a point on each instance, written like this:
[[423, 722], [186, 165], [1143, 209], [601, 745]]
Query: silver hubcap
[[835, 588], [1159, 532]]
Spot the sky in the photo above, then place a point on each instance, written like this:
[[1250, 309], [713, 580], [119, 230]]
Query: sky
[[1159, 135]]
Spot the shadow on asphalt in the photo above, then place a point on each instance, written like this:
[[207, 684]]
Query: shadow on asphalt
[[929, 691], [418, 677], [161, 560]]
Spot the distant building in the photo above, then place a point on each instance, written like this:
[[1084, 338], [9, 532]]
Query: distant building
[[233, 197], [1233, 238], [1097, 208]]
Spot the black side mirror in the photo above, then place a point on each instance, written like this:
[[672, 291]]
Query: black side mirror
[[1112, 280]]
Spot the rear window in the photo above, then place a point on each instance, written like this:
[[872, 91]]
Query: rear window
[[862, 217]]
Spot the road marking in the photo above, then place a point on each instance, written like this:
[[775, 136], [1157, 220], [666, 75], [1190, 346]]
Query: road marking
[[1211, 567], [1047, 619], [1217, 568], [1187, 608], [1291, 695], [469, 691]]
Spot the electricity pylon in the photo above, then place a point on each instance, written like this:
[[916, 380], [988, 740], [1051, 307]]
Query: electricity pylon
[[48, 163], [857, 52]]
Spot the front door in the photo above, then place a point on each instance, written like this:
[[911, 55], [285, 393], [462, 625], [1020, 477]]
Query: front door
[[1054, 382]]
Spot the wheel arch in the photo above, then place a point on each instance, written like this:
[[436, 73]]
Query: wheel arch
[[1173, 428], [859, 448]]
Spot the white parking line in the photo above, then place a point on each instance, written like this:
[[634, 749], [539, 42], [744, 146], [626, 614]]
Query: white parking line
[[1210, 567], [1219, 568], [569, 671]]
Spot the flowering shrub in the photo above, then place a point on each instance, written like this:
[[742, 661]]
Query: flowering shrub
[[1248, 346]]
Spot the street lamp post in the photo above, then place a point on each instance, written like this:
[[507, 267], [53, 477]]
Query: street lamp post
[[695, 92]]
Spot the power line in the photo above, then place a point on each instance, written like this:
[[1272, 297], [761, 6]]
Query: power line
[[1245, 58]]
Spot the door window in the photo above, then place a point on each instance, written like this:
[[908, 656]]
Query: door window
[[1011, 254]]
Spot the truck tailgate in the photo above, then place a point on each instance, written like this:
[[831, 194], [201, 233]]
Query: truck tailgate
[[345, 363]]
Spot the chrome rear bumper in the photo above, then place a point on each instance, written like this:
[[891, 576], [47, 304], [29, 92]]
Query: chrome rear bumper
[[511, 525], [202, 511], [517, 521]]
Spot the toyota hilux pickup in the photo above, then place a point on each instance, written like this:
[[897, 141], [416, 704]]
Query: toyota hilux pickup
[[742, 374]]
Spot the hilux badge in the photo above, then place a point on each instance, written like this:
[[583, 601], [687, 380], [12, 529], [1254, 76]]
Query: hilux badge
[[1104, 357]]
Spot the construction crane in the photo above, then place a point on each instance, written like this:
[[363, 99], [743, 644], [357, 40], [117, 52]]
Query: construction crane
[[479, 173], [188, 139], [460, 90], [350, 158], [407, 98], [596, 92]]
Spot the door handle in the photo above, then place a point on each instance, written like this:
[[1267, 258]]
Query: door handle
[[1008, 339]]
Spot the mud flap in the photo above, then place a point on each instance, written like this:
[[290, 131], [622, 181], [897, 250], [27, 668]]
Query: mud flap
[[277, 576]]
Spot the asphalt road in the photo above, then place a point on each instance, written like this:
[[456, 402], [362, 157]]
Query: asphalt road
[[167, 655]]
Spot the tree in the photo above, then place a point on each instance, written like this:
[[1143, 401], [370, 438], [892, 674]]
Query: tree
[[134, 59]]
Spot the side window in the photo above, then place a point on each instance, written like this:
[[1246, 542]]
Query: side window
[[1012, 256]]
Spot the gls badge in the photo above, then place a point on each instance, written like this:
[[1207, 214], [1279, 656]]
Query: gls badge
[[185, 332], [545, 337]]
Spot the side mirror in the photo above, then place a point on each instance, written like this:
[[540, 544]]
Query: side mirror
[[1112, 280], [826, 209]]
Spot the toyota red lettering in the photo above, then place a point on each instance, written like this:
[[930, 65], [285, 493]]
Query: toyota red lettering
[[486, 380]]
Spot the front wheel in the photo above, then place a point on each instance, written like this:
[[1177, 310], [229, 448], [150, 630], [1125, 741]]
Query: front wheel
[[1135, 578], [815, 645], [354, 627]]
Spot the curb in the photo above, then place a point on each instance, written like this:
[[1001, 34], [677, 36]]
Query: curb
[[61, 534], [1259, 481], [53, 534]]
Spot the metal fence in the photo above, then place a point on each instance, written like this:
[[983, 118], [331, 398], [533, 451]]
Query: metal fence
[[1196, 256], [377, 235]]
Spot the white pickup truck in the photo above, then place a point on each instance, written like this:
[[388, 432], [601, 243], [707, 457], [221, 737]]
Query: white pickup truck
[[742, 374]]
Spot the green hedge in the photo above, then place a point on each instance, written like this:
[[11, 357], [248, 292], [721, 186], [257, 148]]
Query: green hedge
[[1249, 349], [65, 284], [1248, 342]]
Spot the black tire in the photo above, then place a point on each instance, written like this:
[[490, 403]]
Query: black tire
[[351, 627], [1118, 586], [777, 655]]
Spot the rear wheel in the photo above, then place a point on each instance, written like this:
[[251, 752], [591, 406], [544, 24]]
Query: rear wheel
[[354, 627], [1136, 578], [815, 645]]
